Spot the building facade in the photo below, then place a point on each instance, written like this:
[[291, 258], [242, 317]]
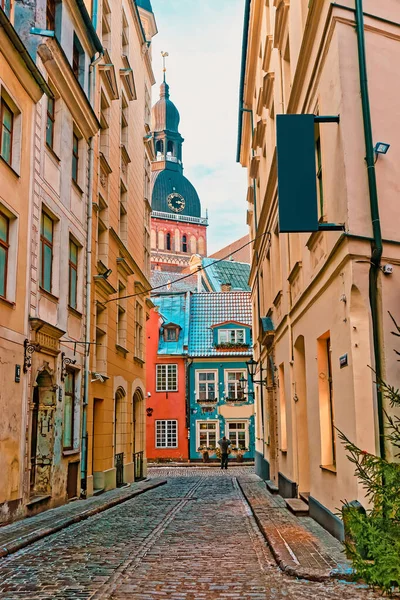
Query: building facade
[[177, 228], [21, 87], [321, 300], [220, 344], [166, 358], [120, 264]]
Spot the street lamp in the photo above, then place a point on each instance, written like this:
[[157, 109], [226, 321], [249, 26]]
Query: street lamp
[[251, 366]]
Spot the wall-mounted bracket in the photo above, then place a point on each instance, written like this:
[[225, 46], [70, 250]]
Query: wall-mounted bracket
[[327, 119], [65, 361], [29, 349], [43, 32]]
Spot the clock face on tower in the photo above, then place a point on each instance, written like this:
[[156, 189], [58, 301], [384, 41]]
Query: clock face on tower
[[176, 202]]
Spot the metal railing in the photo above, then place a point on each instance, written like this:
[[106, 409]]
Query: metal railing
[[138, 465], [119, 465], [184, 218]]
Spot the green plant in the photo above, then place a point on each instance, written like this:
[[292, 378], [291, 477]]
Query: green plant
[[373, 535]]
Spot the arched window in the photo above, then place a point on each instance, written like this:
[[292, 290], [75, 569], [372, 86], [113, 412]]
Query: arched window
[[184, 244], [159, 147], [168, 242], [170, 148]]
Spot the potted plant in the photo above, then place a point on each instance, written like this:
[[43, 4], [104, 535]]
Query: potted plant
[[205, 451], [239, 451]]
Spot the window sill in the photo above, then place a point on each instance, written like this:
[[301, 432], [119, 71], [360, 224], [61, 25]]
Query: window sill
[[283, 450], [77, 187], [138, 360], [3, 160], [48, 295], [329, 468], [8, 303], [52, 153], [121, 349], [75, 312], [71, 452]]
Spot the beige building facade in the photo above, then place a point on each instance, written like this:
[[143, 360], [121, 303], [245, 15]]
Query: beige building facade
[[21, 87], [321, 300]]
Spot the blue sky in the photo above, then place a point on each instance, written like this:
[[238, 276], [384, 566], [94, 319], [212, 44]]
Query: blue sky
[[204, 43]]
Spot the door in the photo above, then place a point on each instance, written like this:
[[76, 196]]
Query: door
[[72, 480]]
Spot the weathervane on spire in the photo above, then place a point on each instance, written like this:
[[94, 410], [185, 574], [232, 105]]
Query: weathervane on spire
[[164, 56]]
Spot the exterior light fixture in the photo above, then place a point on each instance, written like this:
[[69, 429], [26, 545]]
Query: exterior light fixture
[[251, 366], [381, 148]]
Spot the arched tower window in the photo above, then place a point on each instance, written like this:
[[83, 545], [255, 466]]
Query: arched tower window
[[170, 148], [159, 147], [184, 243], [168, 241]]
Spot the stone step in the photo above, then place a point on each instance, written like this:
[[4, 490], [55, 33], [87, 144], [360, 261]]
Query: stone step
[[97, 492], [297, 507], [272, 487], [305, 496]]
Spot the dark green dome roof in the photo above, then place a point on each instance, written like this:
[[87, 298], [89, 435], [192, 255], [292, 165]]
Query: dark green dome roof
[[166, 182], [165, 114]]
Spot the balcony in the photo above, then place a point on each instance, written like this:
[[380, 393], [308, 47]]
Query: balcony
[[169, 157], [182, 218]]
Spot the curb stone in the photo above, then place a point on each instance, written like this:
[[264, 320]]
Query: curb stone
[[279, 553], [21, 542]]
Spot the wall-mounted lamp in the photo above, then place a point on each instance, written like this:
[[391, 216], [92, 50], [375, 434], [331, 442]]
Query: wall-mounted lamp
[[106, 274], [381, 148], [251, 366], [149, 411]]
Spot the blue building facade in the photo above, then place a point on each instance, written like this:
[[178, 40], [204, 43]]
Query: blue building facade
[[220, 344]]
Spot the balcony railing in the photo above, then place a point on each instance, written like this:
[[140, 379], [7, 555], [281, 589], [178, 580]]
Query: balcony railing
[[184, 218], [162, 157]]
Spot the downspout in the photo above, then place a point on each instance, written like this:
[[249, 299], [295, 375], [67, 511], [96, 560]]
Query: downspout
[[376, 226], [88, 281], [188, 365]]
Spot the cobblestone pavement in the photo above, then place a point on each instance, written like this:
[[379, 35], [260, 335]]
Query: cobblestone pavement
[[194, 538]]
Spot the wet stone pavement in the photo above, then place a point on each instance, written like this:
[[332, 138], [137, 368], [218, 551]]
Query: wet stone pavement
[[194, 538]]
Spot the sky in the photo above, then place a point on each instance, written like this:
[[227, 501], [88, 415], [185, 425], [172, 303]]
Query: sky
[[204, 39]]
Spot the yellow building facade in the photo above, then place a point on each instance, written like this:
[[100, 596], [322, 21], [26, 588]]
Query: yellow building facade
[[321, 300], [120, 248]]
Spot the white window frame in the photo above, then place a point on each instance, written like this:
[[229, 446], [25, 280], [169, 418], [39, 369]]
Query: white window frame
[[215, 371], [228, 333], [166, 365], [243, 372], [13, 244], [217, 435], [247, 433], [167, 422]]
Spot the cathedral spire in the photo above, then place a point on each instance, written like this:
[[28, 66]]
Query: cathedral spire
[[164, 56]]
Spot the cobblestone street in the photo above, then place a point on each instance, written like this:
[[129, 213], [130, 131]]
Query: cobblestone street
[[192, 538]]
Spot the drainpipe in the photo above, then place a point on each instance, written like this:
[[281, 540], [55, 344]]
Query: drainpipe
[[188, 366], [88, 285], [376, 226]]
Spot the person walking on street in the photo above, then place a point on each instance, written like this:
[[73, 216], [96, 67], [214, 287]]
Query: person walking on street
[[224, 445]]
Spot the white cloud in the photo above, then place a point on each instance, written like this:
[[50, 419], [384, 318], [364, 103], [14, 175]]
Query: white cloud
[[204, 43]]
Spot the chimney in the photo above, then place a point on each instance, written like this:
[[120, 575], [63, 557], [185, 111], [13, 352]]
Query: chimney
[[226, 287]]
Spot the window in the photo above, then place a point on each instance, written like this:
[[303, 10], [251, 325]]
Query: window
[[184, 244], [139, 331], [69, 406], [51, 15], [237, 433], [7, 126], [231, 336], [50, 122], [233, 391], [5, 5], [123, 213], [166, 434], [171, 334], [125, 35], [105, 129], [168, 242], [46, 251], [206, 385], [121, 316], [75, 157], [78, 60], [4, 246], [106, 26], [124, 121], [167, 378], [207, 433], [73, 274]]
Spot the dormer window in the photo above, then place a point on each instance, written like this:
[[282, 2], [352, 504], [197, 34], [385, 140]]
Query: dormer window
[[231, 336], [171, 332]]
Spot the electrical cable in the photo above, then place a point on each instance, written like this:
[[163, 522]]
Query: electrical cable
[[202, 268]]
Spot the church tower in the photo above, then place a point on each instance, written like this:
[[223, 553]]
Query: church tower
[[177, 228]]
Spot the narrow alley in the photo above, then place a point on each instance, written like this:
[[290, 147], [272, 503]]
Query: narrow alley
[[193, 538]]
